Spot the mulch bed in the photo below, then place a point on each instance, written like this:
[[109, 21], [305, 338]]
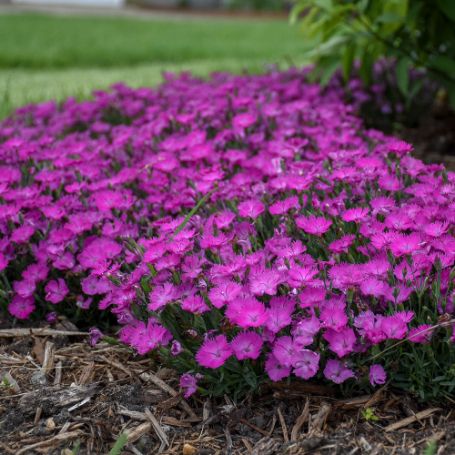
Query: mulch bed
[[61, 396]]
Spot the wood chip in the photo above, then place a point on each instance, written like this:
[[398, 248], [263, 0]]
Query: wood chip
[[48, 362], [57, 439], [158, 430], [58, 373], [254, 427], [12, 333], [408, 420], [318, 420], [301, 419], [284, 428], [139, 431], [150, 377]]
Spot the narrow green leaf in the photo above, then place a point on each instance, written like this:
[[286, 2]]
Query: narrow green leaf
[[402, 75], [447, 7], [119, 444]]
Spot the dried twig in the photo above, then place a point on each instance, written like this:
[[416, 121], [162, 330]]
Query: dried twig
[[158, 430], [284, 428], [408, 420], [12, 333], [303, 417], [168, 389], [50, 442]]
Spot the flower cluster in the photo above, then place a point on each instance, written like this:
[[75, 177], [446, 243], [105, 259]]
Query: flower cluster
[[242, 221]]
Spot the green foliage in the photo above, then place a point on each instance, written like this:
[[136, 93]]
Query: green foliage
[[417, 34], [264, 5], [121, 442]]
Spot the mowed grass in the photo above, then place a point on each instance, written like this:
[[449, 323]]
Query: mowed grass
[[46, 56]]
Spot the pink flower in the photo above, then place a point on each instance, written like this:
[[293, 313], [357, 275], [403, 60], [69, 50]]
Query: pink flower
[[341, 342], [337, 371], [333, 317], [342, 245], [406, 244], [394, 327], [421, 334], [275, 370], [247, 312], [195, 304], [251, 209], [377, 375], [242, 121], [95, 335], [374, 287], [21, 307], [188, 382], [56, 290], [436, 229], [3, 262], [316, 225], [306, 363], [214, 352], [355, 214], [225, 291], [247, 345], [279, 313], [281, 207], [284, 351], [264, 281], [300, 276], [305, 330], [161, 296], [24, 288], [145, 338]]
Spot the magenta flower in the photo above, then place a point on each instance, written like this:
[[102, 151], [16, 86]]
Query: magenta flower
[[301, 276], [161, 296], [144, 338], [306, 363], [247, 312], [355, 214], [377, 375], [224, 292], [176, 348], [421, 334], [337, 371], [406, 244], [284, 351], [247, 345], [214, 352], [188, 382], [21, 307], [275, 370], [305, 330], [3, 262], [251, 209], [341, 342], [264, 281], [95, 335], [195, 304], [279, 313], [316, 225], [394, 327], [56, 290]]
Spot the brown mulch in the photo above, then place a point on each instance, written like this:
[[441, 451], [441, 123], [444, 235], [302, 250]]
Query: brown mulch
[[60, 396]]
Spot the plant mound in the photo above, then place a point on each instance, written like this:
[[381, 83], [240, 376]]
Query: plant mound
[[242, 228]]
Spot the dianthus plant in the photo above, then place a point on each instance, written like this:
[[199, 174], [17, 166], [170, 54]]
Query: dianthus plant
[[243, 229]]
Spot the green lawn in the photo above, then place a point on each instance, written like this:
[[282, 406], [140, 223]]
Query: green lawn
[[45, 56]]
